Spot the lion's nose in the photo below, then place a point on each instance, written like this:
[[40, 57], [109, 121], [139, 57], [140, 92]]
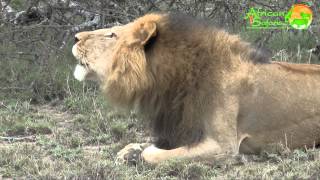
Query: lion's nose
[[76, 39]]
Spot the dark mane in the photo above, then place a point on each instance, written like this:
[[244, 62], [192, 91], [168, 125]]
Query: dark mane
[[195, 44]]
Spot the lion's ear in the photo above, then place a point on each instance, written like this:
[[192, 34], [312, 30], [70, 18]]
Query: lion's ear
[[145, 31]]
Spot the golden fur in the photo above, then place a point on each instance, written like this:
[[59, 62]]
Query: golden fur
[[205, 92]]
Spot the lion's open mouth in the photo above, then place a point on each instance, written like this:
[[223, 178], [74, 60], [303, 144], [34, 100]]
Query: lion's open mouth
[[80, 72]]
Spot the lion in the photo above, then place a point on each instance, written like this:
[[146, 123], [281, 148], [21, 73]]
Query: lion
[[205, 92]]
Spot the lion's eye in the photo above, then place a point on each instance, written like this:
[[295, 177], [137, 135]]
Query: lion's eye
[[110, 35]]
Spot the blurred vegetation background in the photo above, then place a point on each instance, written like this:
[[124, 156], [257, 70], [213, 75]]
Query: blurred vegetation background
[[52, 126]]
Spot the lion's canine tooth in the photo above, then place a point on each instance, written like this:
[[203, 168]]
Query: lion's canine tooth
[[80, 72]]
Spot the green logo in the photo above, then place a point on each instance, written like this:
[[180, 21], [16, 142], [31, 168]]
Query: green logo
[[298, 17]]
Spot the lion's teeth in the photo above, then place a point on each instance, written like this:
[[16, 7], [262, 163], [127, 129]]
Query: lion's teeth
[[80, 72]]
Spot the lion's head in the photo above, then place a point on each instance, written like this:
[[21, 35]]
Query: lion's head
[[116, 57]]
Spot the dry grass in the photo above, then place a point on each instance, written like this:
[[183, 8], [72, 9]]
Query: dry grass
[[68, 141]]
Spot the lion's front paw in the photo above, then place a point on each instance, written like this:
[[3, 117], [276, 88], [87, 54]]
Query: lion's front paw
[[153, 155], [131, 153]]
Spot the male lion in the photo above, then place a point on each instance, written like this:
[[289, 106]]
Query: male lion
[[206, 92]]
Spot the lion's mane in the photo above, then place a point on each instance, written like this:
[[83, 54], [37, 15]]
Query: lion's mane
[[173, 78]]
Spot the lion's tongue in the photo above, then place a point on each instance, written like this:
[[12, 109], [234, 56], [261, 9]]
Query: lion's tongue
[[80, 72]]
